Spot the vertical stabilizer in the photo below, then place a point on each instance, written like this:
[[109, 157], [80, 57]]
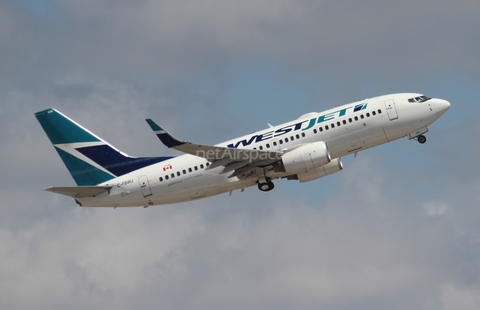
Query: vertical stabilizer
[[89, 159]]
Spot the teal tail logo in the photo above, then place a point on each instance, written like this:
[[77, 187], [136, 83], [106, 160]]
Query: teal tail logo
[[89, 159]]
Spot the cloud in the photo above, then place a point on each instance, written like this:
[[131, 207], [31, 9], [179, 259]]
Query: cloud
[[249, 250], [398, 228], [460, 298], [168, 40], [435, 208]]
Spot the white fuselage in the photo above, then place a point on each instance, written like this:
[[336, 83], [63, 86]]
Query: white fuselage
[[346, 129]]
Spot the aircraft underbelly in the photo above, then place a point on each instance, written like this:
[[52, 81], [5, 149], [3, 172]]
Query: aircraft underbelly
[[196, 192]]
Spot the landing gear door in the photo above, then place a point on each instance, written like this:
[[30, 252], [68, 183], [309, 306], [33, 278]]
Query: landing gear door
[[353, 143], [391, 110], [145, 186]]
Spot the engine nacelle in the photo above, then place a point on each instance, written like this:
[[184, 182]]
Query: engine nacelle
[[332, 167], [304, 158]]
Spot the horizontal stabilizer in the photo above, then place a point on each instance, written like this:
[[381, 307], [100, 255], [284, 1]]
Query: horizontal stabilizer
[[80, 191]]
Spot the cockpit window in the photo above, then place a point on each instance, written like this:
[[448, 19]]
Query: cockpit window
[[425, 98], [419, 99]]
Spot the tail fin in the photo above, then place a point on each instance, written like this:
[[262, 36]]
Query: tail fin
[[89, 159]]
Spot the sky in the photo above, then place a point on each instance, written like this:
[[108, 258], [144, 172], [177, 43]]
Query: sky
[[398, 228]]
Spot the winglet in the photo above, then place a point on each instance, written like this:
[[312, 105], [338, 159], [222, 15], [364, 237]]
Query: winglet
[[166, 138]]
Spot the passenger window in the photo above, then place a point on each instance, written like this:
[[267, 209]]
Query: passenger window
[[166, 177], [349, 120], [208, 164], [274, 143], [362, 117], [161, 179], [314, 131], [298, 136], [338, 124], [374, 113], [172, 175], [281, 141], [368, 114], [286, 140], [201, 166], [379, 111], [326, 127], [260, 147], [184, 171], [189, 169], [268, 145], [333, 125], [292, 138], [303, 134], [196, 168], [344, 122], [356, 118], [178, 173], [321, 129]]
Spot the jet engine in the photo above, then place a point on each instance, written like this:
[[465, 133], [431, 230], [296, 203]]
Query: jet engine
[[304, 158], [320, 172]]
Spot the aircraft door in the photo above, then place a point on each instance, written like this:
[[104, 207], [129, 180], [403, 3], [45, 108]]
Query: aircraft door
[[145, 186], [391, 109]]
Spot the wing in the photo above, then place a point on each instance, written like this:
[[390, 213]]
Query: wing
[[241, 161]]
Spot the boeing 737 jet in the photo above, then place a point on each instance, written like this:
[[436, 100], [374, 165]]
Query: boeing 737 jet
[[304, 149]]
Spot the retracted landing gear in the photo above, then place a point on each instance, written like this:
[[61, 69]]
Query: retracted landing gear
[[265, 187], [421, 139]]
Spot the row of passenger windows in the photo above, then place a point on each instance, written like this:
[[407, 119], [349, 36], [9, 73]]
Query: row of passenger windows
[[184, 171], [292, 138], [350, 120], [320, 129]]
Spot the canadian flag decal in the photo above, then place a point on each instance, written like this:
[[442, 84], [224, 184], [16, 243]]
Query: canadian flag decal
[[167, 167]]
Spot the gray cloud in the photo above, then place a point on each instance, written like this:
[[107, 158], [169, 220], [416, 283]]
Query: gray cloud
[[213, 254], [168, 40], [397, 229]]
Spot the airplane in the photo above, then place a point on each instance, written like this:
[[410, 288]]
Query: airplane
[[305, 149]]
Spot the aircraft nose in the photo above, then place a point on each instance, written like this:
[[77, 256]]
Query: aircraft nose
[[441, 106]]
